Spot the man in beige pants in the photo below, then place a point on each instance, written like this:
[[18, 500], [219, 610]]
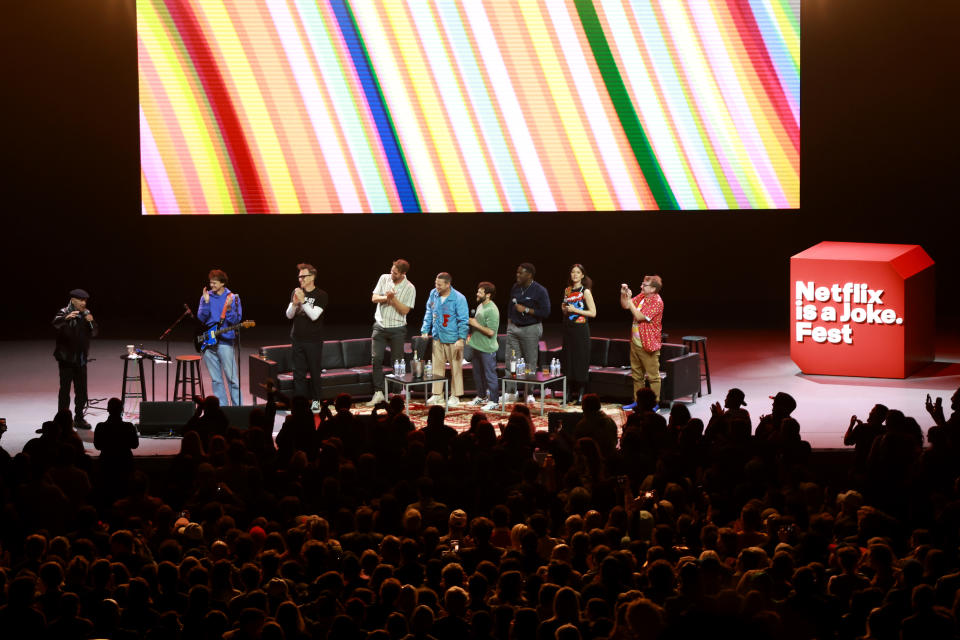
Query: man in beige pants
[[647, 310], [447, 321]]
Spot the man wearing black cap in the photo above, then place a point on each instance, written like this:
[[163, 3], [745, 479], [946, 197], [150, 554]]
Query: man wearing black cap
[[75, 326], [722, 416], [769, 425]]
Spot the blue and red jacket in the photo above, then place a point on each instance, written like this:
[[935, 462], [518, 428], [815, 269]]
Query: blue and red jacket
[[446, 321]]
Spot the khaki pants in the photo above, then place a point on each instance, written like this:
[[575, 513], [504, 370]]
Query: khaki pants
[[442, 354], [644, 365]]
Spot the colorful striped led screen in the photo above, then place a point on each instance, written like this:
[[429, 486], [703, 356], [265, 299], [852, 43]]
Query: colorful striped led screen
[[393, 106]]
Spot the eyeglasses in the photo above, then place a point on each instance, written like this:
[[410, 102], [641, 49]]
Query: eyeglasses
[[304, 275]]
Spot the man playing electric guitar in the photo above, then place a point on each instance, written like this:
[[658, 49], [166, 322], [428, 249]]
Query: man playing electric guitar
[[219, 305]]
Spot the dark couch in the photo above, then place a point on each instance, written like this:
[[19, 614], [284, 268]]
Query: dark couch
[[610, 375], [346, 368]]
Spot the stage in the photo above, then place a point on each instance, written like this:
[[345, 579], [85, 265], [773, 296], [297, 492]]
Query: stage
[[756, 361]]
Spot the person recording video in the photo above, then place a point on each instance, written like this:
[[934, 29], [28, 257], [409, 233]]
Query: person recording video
[[75, 326]]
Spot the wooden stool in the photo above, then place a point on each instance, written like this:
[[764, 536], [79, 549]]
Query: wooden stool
[[137, 380], [188, 371], [698, 344]]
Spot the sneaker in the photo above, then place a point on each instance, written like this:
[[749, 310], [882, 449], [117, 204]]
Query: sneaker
[[453, 401], [434, 399], [629, 407], [376, 399], [531, 399], [491, 406], [476, 402], [81, 423], [315, 406], [509, 398]]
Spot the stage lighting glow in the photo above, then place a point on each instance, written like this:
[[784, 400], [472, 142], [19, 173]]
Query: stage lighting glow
[[366, 106]]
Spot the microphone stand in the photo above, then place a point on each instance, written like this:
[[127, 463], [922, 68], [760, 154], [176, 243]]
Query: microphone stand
[[165, 339]]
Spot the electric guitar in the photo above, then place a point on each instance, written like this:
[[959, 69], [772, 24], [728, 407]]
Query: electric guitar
[[209, 336]]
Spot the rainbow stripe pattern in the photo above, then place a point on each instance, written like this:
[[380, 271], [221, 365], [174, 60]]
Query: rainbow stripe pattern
[[409, 106]]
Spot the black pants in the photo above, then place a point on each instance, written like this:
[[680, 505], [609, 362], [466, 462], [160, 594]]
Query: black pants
[[396, 336], [307, 356], [76, 375]]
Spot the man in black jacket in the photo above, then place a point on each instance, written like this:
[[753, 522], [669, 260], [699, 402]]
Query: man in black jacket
[[75, 326]]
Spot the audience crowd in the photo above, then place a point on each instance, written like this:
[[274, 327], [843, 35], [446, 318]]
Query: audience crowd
[[355, 525]]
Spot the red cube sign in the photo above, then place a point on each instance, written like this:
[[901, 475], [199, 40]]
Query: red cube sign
[[859, 309]]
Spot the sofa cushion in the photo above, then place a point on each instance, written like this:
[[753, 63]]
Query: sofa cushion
[[336, 377], [618, 353], [332, 355], [609, 374], [422, 346], [356, 352], [279, 353], [365, 373], [598, 351], [670, 351], [285, 382], [501, 347]]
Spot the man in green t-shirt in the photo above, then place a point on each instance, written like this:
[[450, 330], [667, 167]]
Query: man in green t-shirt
[[483, 338]]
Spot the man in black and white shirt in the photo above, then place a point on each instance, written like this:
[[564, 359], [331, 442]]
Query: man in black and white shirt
[[394, 296], [306, 307]]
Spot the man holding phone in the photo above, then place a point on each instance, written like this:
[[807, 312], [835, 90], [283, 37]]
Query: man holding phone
[[645, 333], [75, 326]]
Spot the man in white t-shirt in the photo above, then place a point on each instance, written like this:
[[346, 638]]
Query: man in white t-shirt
[[394, 296]]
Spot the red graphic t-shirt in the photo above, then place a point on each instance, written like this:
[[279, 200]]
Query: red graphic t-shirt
[[647, 334]]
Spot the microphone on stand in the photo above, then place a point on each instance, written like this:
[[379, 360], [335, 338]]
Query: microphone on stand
[[186, 308]]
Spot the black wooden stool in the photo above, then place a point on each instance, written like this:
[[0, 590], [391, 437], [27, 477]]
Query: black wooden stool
[[137, 380], [698, 344], [188, 371]]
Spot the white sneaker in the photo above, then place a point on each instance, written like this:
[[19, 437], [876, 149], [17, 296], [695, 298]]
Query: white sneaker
[[453, 401], [434, 399], [531, 399], [509, 398], [476, 402], [491, 406], [376, 399], [315, 406]]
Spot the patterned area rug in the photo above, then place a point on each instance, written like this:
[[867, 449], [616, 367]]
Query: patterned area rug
[[459, 417]]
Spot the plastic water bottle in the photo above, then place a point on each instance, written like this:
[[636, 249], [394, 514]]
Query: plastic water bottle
[[428, 369], [403, 367], [521, 367], [396, 367]]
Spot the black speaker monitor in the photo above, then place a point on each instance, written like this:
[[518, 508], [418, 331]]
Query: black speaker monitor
[[164, 417]]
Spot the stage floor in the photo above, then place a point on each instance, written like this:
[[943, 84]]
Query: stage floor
[[758, 362]]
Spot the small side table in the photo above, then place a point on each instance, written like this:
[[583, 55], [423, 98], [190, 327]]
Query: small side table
[[407, 381], [540, 379]]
